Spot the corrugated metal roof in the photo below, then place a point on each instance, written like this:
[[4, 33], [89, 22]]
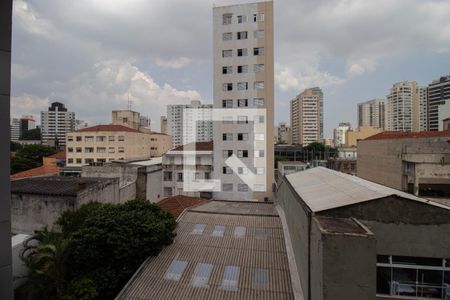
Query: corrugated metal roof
[[250, 254], [322, 189]]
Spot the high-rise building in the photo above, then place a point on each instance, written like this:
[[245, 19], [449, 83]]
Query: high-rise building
[[163, 124], [372, 113], [438, 103], [19, 127], [145, 122], [339, 134], [407, 107], [182, 126], [244, 93], [15, 129], [56, 122], [80, 124], [283, 133], [307, 117]]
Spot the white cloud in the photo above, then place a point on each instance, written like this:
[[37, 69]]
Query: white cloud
[[28, 105], [20, 71], [29, 20], [176, 63], [360, 66]]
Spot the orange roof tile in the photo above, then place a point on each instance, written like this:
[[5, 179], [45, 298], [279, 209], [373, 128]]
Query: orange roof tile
[[199, 146], [109, 127], [36, 172], [177, 204], [387, 135], [59, 155]]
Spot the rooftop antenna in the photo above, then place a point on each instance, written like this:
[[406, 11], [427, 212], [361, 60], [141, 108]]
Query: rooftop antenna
[[130, 103]]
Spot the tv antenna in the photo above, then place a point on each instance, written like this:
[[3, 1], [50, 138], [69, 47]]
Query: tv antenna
[[130, 102]]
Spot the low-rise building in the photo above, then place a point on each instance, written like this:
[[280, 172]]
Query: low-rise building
[[415, 162], [344, 165], [352, 137], [289, 167], [187, 170], [105, 143], [355, 239]]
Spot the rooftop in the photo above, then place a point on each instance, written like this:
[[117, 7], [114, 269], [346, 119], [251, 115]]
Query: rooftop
[[177, 204], [322, 189], [199, 146], [341, 226], [388, 135], [36, 172], [218, 254], [55, 186], [59, 155], [149, 162], [109, 127]]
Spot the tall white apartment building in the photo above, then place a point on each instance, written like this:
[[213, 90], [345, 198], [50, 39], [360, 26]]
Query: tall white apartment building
[[182, 127], [163, 124], [307, 117], [15, 129], [339, 134], [438, 103], [372, 113], [244, 81], [407, 107], [56, 122]]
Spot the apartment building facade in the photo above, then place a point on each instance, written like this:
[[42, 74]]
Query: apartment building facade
[[163, 124], [104, 143], [244, 93], [183, 128], [55, 123], [283, 134], [407, 107], [307, 117], [340, 134], [372, 113], [438, 103], [127, 118]]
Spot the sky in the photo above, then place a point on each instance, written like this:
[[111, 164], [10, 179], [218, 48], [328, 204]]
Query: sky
[[95, 55]]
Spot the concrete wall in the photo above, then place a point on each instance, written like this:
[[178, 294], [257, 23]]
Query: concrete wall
[[125, 172], [154, 184], [6, 291], [103, 192], [127, 193]]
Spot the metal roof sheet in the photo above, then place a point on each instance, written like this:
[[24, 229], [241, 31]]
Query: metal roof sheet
[[322, 189]]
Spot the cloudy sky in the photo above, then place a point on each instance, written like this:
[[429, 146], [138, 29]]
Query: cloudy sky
[[94, 55]]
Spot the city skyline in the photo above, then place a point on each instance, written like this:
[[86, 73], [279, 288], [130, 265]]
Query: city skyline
[[157, 72]]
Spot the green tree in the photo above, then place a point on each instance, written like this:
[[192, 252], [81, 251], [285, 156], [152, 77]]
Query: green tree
[[14, 147], [316, 147], [32, 134], [20, 164], [35, 152]]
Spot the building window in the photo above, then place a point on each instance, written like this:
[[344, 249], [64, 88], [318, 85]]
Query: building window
[[258, 17], [88, 138], [258, 33], [259, 136], [241, 86], [242, 69], [227, 170], [242, 52], [101, 138], [258, 102], [111, 138], [201, 275], [242, 35], [227, 36], [227, 187], [79, 138], [242, 136], [227, 19], [167, 176], [259, 119], [242, 187], [175, 270], [101, 150], [111, 150], [70, 138], [242, 120], [198, 229], [218, 231], [242, 170], [257, 68], [242, 19], [258, 51], [227, 153], [259, 171], [230, 278], [227, 137], [260, 278], [242, 153], [69, 149], [121, 138], [227, 70], [258, 85], [88, 150], [227, 120], [227, 53], [180, 177], [89, 161], [227, 103], [227, 87], [70, 161], [168, 192], [121, 150], [242, 102], [78, 160]]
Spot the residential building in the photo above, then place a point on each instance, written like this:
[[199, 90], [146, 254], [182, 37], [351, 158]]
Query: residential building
[[187, 170], [15, 129], [244, 100], [329, 142], [55, 123], [344, 165], [223, 250], [307, 117], [352, 137], [163, 124], [80, 124], [283, 133], [438, 102], [340, 133], [289, 167], [145, 122], [407, 107], [127, 118], [26, 123], [355, 239], [372, 113], [188, 123], [104, 143], [446, 124], [418, 163], [39, 202], [298, 153]]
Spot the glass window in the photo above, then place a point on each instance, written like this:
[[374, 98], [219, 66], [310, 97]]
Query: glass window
[[70, 161], [227, 170], [101, 138], [218, 231], [230, 278], [121, 149], [111, 150], [227, 153], [227, 36], [69, 149], [258, 85], [88, 138], [198, 229], [201, 275], [260, 278], [70, 138], [242, 52], [239, 231], [228, 103], [121, 138], [242, 35], [227, 70], [242, 19], [242, 187], [227, 187], [242, 102], [242, 136], [242, 170], [227, 87], [227, 137], [79, 138], [258, 102], [259, 153], [241, 86], [258, 17], [242, 153], [227, 19], [180, 177], [111, 138], [258, 51], [88, 150], [101, 150], [227, 53], [78, 161], [175, 270], [242, 69], [258, 68]]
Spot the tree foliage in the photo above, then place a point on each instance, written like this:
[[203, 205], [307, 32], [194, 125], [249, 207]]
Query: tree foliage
[[106, 243], [20, 164], [29, 156], [32, 134]]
